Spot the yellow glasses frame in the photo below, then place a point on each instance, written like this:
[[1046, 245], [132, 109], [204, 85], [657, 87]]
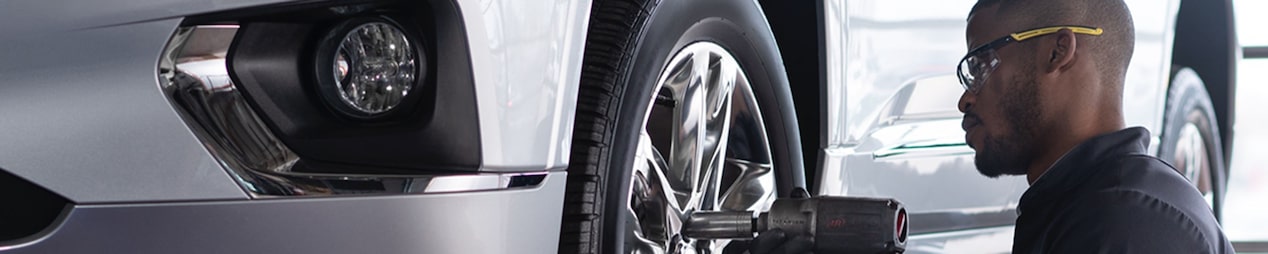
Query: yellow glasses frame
[[981, 61], [1053, 29]]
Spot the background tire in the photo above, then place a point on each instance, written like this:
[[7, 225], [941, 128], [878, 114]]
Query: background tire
[[1190, 125], [628, 45]]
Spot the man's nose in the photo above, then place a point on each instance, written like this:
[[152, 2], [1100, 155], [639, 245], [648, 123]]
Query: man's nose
[[966, 101]]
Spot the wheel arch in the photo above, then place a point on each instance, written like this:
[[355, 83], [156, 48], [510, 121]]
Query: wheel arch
[[798, 34], [1206, 41]]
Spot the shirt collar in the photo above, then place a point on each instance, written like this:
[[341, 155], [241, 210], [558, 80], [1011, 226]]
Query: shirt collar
[[1059, 159], [1078, 164]]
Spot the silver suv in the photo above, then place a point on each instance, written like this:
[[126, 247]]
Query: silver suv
[[510, 126]]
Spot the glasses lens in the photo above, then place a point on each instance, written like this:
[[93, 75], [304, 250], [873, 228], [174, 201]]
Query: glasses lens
[[975, 68], [965, 73]]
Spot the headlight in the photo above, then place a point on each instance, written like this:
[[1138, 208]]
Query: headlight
[[374, 67]]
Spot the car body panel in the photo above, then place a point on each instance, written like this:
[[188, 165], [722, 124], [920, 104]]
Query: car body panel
[[84, 116], [507, 221], [982, 240], [526, 58], [893, 127], [100, 101], [38, 17]]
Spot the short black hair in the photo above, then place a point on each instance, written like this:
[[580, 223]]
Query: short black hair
[[1110, 51], [982, 4]]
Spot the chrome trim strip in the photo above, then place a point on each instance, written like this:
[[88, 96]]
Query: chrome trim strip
[[194, 76], [919, 149]]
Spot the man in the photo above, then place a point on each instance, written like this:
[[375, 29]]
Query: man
[[1043, 98]]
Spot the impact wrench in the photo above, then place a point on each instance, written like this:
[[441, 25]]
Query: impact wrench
[[835, 224]]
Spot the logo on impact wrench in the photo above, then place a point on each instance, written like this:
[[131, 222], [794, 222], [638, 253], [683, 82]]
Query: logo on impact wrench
[[836, 223]]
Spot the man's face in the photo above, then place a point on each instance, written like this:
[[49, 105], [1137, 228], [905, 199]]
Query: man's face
[[1001, 117]]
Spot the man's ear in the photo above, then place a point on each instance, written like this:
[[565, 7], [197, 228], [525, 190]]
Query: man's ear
[[1061, 56]]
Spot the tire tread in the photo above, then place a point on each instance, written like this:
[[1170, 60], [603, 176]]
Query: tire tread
[[614, 28]]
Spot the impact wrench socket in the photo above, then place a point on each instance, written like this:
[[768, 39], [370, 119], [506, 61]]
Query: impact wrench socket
[[835, 224]]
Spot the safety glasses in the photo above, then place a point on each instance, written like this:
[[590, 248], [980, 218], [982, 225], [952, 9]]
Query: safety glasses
[[981, 61]]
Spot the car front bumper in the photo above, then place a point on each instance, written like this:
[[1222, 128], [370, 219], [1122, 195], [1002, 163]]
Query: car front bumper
[[522, 220]]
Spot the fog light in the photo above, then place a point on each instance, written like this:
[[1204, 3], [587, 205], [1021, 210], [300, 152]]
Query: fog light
[[374, 66]]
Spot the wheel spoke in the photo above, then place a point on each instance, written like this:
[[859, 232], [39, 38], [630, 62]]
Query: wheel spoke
[[1197, 156], [685, 152], [636, 243], [752, 189], [656, 173], [686, 147], [720, 84], [654, 213], [1192, 160], [723, 75]]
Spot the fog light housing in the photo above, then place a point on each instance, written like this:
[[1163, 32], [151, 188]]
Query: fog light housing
[[368, 66]]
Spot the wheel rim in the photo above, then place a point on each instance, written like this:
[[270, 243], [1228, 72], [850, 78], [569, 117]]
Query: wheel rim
[[1192, 160], [703, 148]]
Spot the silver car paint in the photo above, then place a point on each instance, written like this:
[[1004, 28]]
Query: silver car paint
[[103, 78], [83, 116], [526, 58], [983, 240], [512, 221], [893, 127]]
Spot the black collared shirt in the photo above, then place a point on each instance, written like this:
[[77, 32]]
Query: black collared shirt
[[1108, 196]]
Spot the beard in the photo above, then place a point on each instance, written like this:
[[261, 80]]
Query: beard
[[1011, 153]]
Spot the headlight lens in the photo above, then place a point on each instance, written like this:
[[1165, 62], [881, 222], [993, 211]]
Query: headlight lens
[[374, 67]]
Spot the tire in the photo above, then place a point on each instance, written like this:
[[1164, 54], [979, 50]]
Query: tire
[[629, 44], [1190, 125]]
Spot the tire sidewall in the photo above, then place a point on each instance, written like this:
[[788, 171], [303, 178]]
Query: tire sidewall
[[1187, 95], [741, 29]]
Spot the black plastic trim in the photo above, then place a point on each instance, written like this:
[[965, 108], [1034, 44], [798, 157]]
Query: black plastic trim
[[26, 209], [271, 61]]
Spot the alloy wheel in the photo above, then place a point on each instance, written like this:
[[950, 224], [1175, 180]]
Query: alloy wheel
[[1192, 159], [703, 148]]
